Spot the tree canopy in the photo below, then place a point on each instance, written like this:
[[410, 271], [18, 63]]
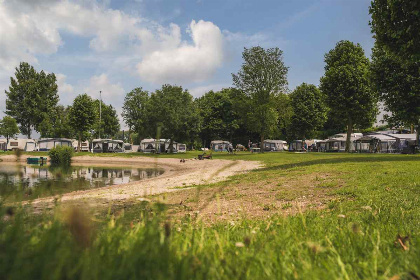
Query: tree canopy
[[135, 111], [30, 97], [56, 123], [396, 58], [396, 25], [309, 111], [346, 84], [8, 128], [82, 115], [262, 77], [220, 118], [173, 114]]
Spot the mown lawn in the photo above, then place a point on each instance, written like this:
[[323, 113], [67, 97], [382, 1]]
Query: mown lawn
[[303, 216]]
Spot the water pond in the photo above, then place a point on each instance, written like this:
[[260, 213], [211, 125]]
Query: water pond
[[26, 182]]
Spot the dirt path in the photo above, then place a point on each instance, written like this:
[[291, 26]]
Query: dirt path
[[177, 174]]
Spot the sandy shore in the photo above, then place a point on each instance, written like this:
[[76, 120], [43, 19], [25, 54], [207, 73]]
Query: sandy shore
[[177, 175]]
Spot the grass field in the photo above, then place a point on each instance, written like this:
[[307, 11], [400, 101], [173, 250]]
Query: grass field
[[303, 216]]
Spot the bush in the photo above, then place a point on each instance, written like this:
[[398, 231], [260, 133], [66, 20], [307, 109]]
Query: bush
[[61, 155]]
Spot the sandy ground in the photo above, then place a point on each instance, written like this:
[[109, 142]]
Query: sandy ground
[[177, 174]]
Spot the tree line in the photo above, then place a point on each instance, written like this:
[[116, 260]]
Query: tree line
[[259, 106]]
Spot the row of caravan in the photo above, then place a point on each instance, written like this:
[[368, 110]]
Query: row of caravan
[[97, 145], [46, 144], [380, 142], [359, 143]]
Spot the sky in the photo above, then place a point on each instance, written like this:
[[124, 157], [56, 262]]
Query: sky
[[116, 46]]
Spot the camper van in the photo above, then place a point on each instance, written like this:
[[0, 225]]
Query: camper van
[[46, 144], [84, 146], [27, 145], [107, 146]]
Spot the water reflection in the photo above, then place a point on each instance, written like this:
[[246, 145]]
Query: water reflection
[[19, 182]]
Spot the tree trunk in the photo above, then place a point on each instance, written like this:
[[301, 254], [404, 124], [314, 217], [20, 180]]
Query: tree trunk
[[29, 131], [412, 128], [80, 142], [262, 143], [171, 146], [349, 132], [417, 134]]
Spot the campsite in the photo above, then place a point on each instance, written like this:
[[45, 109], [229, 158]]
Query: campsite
[[210, 139]]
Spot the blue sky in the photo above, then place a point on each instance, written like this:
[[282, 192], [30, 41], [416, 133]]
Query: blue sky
[[115, 46]]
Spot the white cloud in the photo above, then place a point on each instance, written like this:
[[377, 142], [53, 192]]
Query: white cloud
[[186, 62], [111, 93], [28, 29]]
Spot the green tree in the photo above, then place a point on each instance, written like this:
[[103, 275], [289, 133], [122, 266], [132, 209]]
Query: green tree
[[30, 96], [396, 25], [396, 58], [309, 111], [398, 82], [285, 112], [346, 83], [135, 112], [108, 124], [219, 117], [262, 77], [82, 115], [56, 123], [173, 114], [8, 128]]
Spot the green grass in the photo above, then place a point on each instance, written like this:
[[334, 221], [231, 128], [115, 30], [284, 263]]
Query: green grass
[[369, 229]]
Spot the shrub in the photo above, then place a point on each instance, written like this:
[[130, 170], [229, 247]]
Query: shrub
[[61, 155]]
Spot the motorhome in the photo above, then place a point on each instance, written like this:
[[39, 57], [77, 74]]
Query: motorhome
[[275, 145], [46, 144], [107, 146], [27, 145]]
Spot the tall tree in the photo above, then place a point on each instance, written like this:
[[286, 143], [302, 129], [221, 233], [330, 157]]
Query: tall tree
[[82, 115], [285, 112], [346, 83], [8, 128], [173, 114], [55, 123], [396, 25], [262, 77], [107, 125], [309, 110], [396, 58], [135, 112], [219, 118], [398, 82], [30, 96]]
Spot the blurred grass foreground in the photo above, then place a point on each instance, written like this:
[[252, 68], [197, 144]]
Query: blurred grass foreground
[[368, 230]]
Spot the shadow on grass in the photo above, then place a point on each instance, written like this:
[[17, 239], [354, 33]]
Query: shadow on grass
[[345, 159]]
